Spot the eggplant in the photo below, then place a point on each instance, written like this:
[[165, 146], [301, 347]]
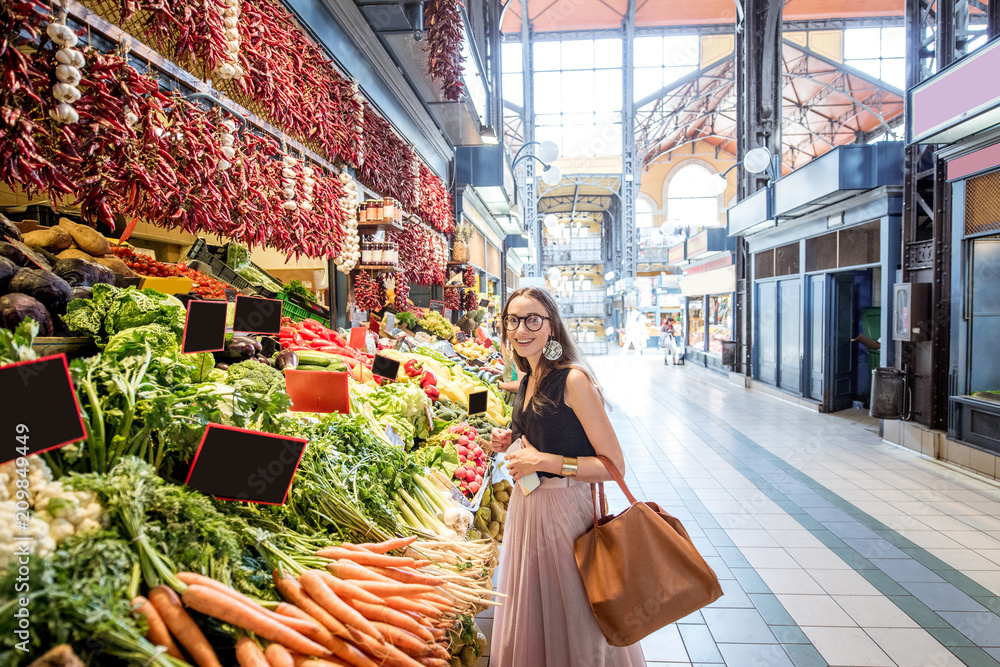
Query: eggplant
[[286, 359], [239, 348], [222, 366], [257, 346], [269, 345], [262, 359]]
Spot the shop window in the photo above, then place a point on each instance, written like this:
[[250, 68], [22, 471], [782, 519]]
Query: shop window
[[720, 321], [982, 204], [858, 245], [821, 253], [696, 322], [763, 264], [477, 249], [786, 260], [493, 260]]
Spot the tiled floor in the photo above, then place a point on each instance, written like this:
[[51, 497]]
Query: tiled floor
[[833, 547]]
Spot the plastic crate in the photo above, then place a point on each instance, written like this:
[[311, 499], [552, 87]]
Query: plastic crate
[[298, 313], [201, 252]]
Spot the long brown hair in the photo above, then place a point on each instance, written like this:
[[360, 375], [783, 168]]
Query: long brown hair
[[571, 356]]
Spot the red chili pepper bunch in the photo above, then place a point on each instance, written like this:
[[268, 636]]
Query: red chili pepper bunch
[[25, 100], [421, 254], [292, 79], [469, 276], [452, 298], [401, 303], [435, 201], [445, 35], [387, 160], [369, 292], [319, 232], [184, 29], [470, 300]]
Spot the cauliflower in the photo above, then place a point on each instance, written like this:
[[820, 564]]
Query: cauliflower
[[55, 515]]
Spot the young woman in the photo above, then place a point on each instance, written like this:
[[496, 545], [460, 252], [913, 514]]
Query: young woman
[[667, 341], [559, 414]]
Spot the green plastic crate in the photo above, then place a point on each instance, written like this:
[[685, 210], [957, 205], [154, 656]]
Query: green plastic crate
[[298, 313]]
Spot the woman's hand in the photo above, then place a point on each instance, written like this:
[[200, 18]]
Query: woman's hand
[[500, 439], [524, 461]]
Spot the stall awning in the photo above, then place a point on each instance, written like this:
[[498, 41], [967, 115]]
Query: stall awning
[[717, 281]]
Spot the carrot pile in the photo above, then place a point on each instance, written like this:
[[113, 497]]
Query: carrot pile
[[367, 608]]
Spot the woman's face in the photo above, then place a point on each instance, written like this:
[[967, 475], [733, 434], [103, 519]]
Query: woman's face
[[528, 343]]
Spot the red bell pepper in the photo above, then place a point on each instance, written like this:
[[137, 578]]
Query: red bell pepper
[[427, 380], [413, 368], [432, 392], [316, 327]]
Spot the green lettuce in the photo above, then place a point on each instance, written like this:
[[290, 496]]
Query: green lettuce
[[110, 310], [435, 456]]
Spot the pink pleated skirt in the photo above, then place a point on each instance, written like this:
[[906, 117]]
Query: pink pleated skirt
[[546, 620]]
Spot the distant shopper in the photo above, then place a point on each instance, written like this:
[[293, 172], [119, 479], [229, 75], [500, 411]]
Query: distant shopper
[[668, 341], [559, 415]]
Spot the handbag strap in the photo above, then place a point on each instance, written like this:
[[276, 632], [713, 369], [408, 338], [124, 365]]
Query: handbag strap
[[617, 477]]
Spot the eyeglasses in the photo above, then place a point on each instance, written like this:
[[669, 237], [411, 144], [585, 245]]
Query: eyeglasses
[[531, 322]]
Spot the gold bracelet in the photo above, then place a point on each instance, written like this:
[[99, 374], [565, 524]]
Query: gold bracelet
[[569, 467]]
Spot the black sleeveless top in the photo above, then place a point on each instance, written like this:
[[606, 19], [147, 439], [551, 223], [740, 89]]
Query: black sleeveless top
[[550, 429]]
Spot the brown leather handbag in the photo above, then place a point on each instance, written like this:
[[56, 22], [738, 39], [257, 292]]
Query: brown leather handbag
[[640, 569]]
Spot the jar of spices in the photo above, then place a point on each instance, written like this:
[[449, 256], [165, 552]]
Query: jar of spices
[[377, 256], [363, 212], [366, 253], [388, 209], [392, 255]]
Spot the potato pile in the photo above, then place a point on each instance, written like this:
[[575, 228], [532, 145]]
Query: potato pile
[[73, 240], [492, 514]]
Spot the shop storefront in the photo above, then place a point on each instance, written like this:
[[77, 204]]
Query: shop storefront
[[708, 285], [960, 109], [823, 254]]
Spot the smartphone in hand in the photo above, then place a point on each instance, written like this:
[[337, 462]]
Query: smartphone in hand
[[529, 482]]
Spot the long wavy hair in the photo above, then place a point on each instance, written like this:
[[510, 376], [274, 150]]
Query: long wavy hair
[[570, 357]]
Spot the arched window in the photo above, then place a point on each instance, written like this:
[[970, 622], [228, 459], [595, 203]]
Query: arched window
[[643, 212], [691, 202]]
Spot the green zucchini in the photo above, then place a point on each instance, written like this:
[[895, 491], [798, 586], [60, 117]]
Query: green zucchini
[[312, 367], [314, 358]]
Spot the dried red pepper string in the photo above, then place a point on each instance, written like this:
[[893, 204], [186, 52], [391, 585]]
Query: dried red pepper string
[[445, 36], [452, 298], [158, 178]]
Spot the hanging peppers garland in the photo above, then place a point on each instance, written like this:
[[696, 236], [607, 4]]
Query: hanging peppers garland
[[445, 37]]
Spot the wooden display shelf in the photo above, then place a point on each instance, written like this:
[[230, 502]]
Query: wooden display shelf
[[392, 268], [375, 227], [460, 265]]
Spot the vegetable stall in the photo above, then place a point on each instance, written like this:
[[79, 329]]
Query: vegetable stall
[[223, 121]]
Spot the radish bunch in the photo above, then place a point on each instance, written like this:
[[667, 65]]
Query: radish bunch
[[471, 457]]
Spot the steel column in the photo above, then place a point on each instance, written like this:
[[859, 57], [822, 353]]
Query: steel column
[[630, 176], [937, 34], [532, 219], [758, 123]]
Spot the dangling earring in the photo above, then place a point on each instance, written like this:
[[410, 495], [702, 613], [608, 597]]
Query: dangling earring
[[552, 350]]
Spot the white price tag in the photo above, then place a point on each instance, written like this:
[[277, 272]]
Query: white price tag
[[458, 496], [394, 438]]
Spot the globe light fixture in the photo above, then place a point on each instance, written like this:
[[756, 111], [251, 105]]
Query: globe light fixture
[[552, 175]]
